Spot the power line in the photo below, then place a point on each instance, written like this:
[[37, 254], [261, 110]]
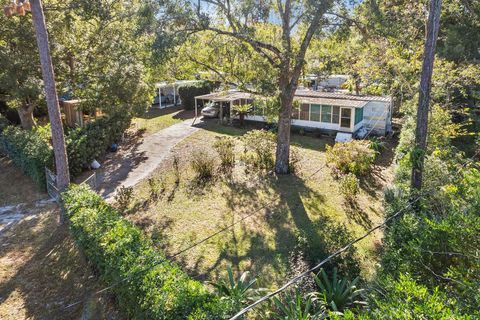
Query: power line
[[195, 244], [338, 252], [333, 255]]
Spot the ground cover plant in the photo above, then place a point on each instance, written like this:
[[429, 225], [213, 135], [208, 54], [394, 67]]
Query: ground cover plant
[[308, 215]]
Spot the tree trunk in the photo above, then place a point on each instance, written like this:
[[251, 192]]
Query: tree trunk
[[282, 158], [58, 140], [424, 95], [25, 113]]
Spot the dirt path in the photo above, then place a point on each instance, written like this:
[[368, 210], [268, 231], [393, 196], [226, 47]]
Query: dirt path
[[137, 161]]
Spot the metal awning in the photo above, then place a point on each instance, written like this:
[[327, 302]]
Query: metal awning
[[332, 102], [226, 96]]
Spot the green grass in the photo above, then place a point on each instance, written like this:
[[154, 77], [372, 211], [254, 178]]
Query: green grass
[[285, 207], [157, 119]]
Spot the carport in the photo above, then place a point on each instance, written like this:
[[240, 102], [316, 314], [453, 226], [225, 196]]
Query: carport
[[230, 98]]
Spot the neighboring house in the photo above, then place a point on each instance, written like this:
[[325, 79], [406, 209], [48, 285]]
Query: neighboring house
[[335, 112], [332, 82], [167, 93]]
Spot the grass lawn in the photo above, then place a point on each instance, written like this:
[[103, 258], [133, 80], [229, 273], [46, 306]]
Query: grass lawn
[[41, 270], [290, 210], [157, 119]]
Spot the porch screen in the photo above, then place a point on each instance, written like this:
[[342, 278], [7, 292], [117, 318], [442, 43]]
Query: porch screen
[[315, 112], [336, 114], [304, 112], [358, 115], [327, 114]]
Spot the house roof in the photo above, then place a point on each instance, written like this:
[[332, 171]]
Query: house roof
[[337, 95], [304, 96], [226, 96], [332, 102]]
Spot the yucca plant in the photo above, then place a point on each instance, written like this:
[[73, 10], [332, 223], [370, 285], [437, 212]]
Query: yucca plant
[[240, 292], [295, 306], [338, 294]]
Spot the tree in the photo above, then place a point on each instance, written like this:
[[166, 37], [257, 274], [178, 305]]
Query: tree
[[58, 139], [424, 94], [291, 26]]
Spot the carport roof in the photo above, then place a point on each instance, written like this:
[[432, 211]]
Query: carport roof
[[226, 96]]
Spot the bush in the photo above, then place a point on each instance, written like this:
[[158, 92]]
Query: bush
[[349, 186], [124, 198], [28, 151], [355, 157], [155, 287], [189, 91], [259, 149], [225, 147], [3, 123], [204, 166], [89, 142]]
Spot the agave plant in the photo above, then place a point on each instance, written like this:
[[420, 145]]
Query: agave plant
[[338, 294], [295, 306], [240, 291]]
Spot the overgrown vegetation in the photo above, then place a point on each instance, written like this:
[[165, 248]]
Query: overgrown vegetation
[[156, 288], [259, 150], [28, 151], [356, 156]]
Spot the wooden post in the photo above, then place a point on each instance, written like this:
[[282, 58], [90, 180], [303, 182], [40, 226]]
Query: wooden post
[[58, 139], [221, 112], [196, 108]]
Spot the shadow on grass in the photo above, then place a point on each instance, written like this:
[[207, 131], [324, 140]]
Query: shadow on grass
[[265, 241], [53, 276]]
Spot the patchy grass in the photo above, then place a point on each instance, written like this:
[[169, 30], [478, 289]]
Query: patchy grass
[[157, 119], [41, 270], [15, 187], [286, 208]]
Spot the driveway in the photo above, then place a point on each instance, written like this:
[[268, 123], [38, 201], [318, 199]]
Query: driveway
[[139, 157]]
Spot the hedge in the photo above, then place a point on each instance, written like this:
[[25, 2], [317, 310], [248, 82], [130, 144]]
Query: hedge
[[3, 122], [28, 151], [89, 142], [188, 92], [119, 250]]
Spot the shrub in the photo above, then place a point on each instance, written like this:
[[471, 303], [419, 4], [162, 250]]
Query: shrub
[[89, 142], [349, 186], [189, 91], [3, 123], [28, 151], [156, 188], [259, 149], [124, 198], [225, 147], [146, 284], [204, 166], [355, 157]]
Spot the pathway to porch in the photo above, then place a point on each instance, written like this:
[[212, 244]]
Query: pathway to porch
[[136, 160]]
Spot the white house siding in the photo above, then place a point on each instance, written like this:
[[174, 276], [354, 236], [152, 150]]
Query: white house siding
[[376, 116]]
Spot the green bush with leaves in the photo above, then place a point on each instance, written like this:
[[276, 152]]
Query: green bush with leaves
[[294, 305], [146, 284], [3, 123], [28, 151], [259, 149], [188, 92], [89, 142], [225, 147], [349, 186], [356, 156], [338, 293], [203, 164], [124, 198]]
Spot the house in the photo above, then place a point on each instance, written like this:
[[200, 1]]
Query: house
[[326, 111], [167, 93]]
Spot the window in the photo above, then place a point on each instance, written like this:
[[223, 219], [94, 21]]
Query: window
[[327, 114], [336, 115], [358, 115], [315, 112], [304, 112], [346, 118]]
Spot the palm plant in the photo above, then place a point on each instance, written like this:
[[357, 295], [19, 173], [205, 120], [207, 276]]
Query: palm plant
[[295, 306], [239, 292], [338, 294], [242, 110]]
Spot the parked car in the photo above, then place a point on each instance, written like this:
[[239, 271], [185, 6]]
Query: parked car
[[211, 110]]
